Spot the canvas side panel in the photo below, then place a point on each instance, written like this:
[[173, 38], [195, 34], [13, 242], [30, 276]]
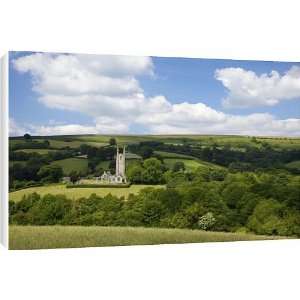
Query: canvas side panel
[[4, 151]]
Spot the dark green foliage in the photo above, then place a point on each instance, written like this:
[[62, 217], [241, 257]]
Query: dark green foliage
[[272, 217], [178, 166], [112, 141], [153, 171], [25, 172], [134, 174], [30, 144], [50, 173], [74, 176], [150, 172], [27, 137]]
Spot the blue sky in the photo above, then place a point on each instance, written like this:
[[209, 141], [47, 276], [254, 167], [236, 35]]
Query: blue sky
[[66, 93]]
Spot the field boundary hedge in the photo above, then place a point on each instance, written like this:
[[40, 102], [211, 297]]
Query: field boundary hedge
[[38, 184], [72, 186]]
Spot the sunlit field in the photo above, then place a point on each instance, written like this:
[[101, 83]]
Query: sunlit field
[[47, 237], [58, 189]]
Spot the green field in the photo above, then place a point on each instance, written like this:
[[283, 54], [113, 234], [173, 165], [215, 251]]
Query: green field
[[62, 142], [72, 144], [103, 165], [39, 151], [294, 164], [190, 165], [72, 164], [13, 162], [57, 189], [47, 237], [164, 154]]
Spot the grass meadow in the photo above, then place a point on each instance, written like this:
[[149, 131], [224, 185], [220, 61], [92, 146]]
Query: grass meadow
[[190, 165], [60, 189], [39, 151], [72, 164], [294, 164], [49, 237]]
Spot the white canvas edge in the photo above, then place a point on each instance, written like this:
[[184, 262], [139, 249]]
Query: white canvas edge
[[4, 83]]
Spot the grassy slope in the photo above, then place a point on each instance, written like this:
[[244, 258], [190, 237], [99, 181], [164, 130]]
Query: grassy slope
[[43, 237], [100, 140], [191, 163], [78, 192], [294, 164], [237, 142], [165, 154], [72, 164], [103, 165], [59, 142], [39, 151]]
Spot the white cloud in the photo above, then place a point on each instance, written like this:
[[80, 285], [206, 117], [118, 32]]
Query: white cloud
[[76, 75], [261, 124], [107, 89], [15, 129], [246, 88], [63, 129]]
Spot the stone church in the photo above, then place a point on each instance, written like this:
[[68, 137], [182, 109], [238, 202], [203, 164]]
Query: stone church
[[120, 176]]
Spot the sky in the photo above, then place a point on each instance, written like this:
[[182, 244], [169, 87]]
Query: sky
[[61, 93]]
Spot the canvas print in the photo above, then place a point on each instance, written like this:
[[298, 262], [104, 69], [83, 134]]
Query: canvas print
[[111, 150]]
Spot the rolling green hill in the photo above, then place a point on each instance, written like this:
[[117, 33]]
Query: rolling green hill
[[72, 164], [238, 142], [191, 163], [165, 154]]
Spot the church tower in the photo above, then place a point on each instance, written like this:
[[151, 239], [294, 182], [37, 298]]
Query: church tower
[[120, 163]]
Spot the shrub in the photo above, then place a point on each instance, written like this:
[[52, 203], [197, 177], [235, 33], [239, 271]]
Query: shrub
[[206, 221]]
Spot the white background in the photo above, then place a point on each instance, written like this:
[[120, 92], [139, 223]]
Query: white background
[[216, 29]]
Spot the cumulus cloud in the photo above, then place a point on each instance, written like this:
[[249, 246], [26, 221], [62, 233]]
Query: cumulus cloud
[[107, 89], [246, 88], [15, 129], [259, 124], [67, 129]]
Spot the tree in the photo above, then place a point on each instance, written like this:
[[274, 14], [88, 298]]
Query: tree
[[178, 166], [74, 176], [218, 174], [153, 171], [27, 137], [267, 218], [152, 212], [92, 164], [50, 173], [47, 143], [112, 141], [233, 194], [146, 152], [134, 174], [83, 148]]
